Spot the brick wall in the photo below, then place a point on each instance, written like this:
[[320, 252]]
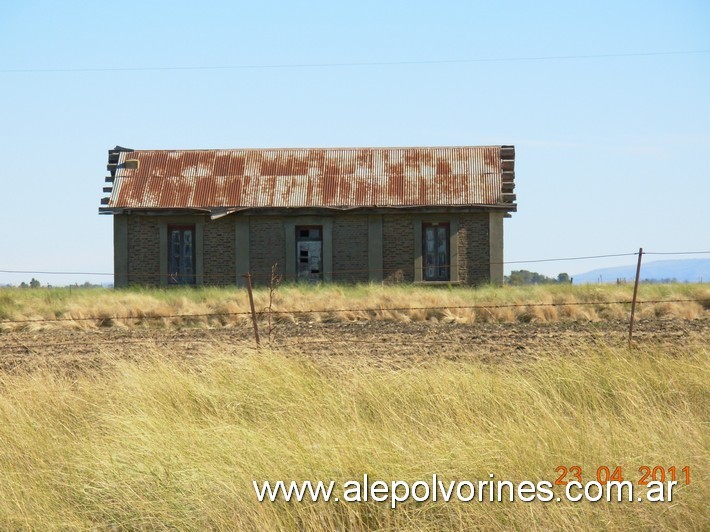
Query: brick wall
[[266, 246], [143, 250], [219, 252], [350, 249], [474, 248], [398, 248]]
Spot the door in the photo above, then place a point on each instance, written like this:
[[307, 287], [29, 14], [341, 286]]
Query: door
[[309, 253]]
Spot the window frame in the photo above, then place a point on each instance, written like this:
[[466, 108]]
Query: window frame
[[176, 279], [438, 267], [454, 227]]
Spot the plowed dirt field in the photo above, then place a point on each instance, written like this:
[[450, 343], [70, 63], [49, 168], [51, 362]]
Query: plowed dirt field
[[381, 341]]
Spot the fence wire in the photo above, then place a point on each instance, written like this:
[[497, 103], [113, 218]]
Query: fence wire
[[349, 310]]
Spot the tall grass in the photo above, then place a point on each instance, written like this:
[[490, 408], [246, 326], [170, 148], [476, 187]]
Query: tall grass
[[346, 303], [159, 443]]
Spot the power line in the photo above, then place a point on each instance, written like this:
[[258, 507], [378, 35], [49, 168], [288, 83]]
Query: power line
[[231, 275], [567, 258], [676, 252], [277, 66], [53, 272]]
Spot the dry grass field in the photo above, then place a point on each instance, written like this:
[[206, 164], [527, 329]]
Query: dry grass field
[[214, 307], [164, 423]]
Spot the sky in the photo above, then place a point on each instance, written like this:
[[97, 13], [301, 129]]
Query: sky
[[610, 150]]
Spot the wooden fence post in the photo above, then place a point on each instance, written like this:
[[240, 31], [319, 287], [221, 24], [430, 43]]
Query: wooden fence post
[[253, 311], [633, 300]]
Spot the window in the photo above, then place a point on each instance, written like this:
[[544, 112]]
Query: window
[[435, 252], [309, 252], [181, 254]]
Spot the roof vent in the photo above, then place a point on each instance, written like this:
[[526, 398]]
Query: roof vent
[[131, 164]]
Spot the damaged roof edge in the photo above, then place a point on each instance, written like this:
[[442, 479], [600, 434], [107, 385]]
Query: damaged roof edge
[[338, 179]]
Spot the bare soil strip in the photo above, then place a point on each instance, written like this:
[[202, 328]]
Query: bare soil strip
[[77, 350]]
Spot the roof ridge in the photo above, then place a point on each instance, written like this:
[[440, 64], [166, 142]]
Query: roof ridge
[[332, 148]]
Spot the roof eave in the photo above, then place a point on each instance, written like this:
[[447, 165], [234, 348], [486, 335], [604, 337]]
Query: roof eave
[[216, 212]]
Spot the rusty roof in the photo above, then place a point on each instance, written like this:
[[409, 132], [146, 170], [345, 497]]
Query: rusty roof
[[335, 178]]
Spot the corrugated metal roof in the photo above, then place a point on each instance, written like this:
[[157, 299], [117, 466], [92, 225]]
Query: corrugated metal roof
[[340, 178]]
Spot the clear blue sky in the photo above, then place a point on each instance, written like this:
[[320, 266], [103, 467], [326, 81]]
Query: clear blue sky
[[611, 152]]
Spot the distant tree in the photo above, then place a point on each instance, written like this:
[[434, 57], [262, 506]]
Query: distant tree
[[563, 278], [23, 284], [665, 280], [538, 278], [34, 283], [86, 284], [525, 277], [520, 277]]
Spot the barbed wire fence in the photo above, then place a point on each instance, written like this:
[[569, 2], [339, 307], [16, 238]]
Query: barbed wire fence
[[269, 312]]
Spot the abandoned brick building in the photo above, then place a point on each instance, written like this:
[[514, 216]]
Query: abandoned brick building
[[427, 214]]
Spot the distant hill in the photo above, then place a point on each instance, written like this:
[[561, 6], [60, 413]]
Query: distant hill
[[690, 271]]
